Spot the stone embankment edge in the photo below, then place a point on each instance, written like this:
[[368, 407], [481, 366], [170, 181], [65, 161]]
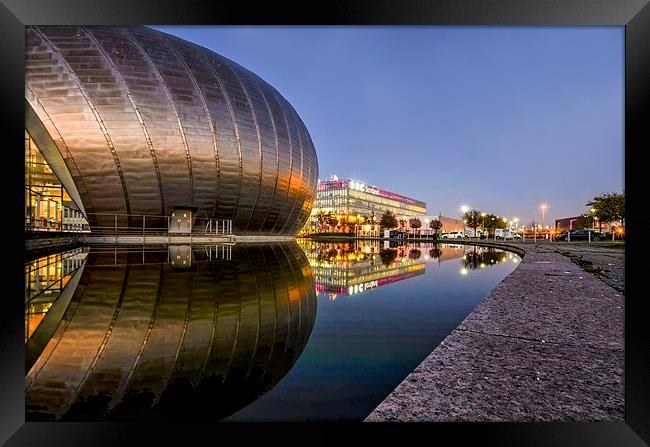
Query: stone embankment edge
[[545, 345]]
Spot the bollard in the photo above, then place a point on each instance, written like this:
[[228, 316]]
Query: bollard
[[589, 236]]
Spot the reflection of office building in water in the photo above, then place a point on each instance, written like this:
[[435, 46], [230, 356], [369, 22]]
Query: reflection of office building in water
[[350, 268], [170, 333]]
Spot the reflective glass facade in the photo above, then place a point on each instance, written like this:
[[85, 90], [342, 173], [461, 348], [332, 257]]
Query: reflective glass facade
[[146, 122], [48, 206], [355, 198]]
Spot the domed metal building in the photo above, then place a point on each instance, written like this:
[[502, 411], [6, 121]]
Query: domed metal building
[[136, 122]]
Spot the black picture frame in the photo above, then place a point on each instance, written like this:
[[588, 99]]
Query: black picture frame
[[634, 15]]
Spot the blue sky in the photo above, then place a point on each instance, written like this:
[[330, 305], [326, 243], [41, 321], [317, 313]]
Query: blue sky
[[498, 118]]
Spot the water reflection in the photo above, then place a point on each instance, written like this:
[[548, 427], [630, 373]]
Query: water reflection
[[349, 268], [173, 333], [481, 257], [45, 279], [196, 333]]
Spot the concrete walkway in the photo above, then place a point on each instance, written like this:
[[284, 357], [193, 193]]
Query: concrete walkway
[[545, 345]]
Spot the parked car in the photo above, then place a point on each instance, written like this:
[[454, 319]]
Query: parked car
[[453, 235], [607, 236], [578, 235], [561, 236], [506, 233], [475, 233]]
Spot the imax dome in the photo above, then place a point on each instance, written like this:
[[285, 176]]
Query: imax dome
[[139, 122]]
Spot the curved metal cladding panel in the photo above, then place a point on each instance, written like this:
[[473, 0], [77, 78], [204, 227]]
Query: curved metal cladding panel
[[147, 121], [145, 341]]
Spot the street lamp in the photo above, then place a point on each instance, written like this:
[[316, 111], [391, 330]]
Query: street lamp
[[594, 219], [464, 209], [543, 207]]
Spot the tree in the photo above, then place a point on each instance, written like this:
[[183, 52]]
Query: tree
[[609, 207], [492, 221], [415, 223], [332, 220], [321, 217], [436, 226], [388, 220], [473, 219], [585, 221]]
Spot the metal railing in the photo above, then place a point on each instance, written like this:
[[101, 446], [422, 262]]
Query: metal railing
[[140, 224], [60, 218]]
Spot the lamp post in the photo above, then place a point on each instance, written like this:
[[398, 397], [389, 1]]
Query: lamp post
[[543, 207], [464, 209]]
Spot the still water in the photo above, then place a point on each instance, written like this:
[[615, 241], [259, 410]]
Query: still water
[[285, 331]]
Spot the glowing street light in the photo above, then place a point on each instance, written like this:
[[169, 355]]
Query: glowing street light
[[464, 209], [543, 207]]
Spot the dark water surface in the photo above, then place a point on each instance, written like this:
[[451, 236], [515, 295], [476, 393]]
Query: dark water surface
[[245, 333]]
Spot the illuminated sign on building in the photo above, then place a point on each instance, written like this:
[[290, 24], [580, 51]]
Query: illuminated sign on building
[[368, 189]]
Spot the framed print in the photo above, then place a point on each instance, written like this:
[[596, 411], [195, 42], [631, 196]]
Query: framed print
[[374, 219]]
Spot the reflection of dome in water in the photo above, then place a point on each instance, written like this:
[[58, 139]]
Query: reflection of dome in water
[[143, 341]]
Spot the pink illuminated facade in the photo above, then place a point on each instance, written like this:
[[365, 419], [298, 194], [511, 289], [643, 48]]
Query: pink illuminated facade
[[356, 198]]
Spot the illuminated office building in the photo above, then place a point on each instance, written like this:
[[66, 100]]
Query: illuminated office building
[[352, 197]]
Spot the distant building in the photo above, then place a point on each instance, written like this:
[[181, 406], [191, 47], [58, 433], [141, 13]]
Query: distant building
[[566, 223], [358, 207], [352, 197], [570, 223]]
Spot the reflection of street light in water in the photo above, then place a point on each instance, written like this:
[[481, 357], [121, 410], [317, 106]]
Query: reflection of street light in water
[[463, 271]]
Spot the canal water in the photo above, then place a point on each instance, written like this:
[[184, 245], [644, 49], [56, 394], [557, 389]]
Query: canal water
[[277, 332]]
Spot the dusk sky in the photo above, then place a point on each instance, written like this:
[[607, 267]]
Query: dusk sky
[[497, 118]]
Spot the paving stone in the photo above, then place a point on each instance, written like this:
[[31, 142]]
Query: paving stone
[[545, 345]]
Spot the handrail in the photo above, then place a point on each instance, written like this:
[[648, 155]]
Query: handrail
[[127, 224]]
